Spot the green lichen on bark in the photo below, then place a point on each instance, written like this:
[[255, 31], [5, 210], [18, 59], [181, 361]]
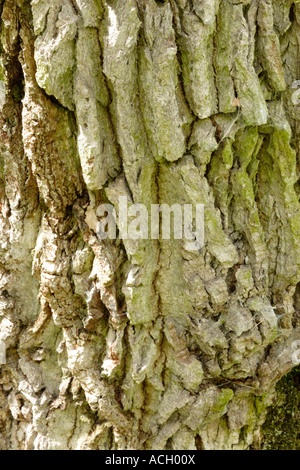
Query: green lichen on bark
[[143, 344]]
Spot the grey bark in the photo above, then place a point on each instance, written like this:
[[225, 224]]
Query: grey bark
[[143, 344]]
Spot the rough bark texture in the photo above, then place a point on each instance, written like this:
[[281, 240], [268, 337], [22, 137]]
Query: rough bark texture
[[143, 344]]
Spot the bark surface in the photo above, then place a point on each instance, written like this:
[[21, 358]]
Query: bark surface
[[142, 344]]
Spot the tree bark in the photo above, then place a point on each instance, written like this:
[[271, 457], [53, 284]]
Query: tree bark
[[142, 344]]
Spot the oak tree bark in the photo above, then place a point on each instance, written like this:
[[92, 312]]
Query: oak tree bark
[[142, 344]]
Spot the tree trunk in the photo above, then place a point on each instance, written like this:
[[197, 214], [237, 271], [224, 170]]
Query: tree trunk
[[142, 344]]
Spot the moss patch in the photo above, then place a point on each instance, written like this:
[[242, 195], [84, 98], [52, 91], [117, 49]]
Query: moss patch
[[282, 427]]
